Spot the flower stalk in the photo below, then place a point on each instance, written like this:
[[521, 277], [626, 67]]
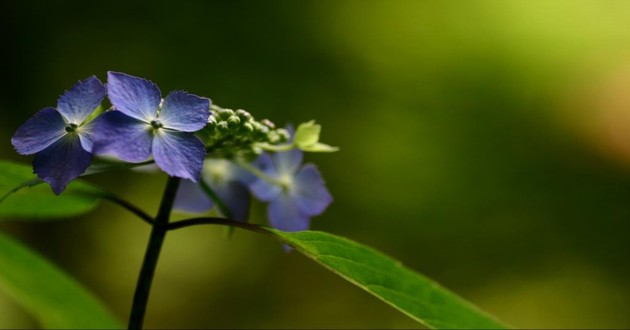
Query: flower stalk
[[152, 254]]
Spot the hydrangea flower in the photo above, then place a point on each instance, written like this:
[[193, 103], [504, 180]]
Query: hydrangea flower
[[295, 193], [61, 138], [143, 124], [228, 180]]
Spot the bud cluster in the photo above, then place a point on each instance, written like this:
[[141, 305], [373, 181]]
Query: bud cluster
[[230, 132]]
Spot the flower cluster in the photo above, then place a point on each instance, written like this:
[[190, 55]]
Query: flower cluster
[[220, 153]]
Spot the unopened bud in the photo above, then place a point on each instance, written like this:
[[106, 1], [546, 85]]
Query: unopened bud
[[244, 115], [268, 123], [273, 137], [222, 127], [283, 134], [234, 121], [224, 114], [248, 128]]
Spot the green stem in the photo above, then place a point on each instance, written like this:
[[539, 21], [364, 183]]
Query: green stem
[[223, 208], [260, 174], [216, 199], [158, 232]]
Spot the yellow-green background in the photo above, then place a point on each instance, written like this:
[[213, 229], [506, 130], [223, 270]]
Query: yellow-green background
[[483, 143]]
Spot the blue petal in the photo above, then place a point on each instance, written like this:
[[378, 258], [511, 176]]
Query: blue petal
[[263, 162], [236, 198], [179, 154], [309, 192], [239, 174], [122, 136], [191, 198], [133, 96], [39, 132], [262, 189], [86, 134], [62, 162], [185, 112], [81, 100], [287, 162], [285, 215]]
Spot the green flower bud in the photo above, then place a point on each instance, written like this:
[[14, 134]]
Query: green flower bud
[[283, 134], [223, 127], [262, 129], [248, 128], [234, 121], [268, 123], [224, 114], [243, 115], [273, 137]]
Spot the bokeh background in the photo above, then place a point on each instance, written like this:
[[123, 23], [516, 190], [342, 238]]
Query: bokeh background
[[483, 143]]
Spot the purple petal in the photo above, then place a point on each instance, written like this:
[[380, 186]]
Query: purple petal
[[122, 136], [309, 192], [179, 154], [185, 112], [39, 132], [191, 198], [133, 96], [285, 215], [287, 162], [62, 162], [81, 100], [236, 198]]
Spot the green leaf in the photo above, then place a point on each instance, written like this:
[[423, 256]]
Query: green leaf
[[307, 134], [306, 137], [22, 197], [319, 147], [55, 299], [411, 293]]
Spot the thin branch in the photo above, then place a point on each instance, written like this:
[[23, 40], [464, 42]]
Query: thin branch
[[218, 221], [126, 205]]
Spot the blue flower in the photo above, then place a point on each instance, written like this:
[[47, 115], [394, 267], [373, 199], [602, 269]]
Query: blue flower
[[295, 193], [226, 179], [143, 124], [61, 138]]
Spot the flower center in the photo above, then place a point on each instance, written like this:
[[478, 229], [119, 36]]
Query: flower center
[[156, 124], [216, 170], [71, 127], [285, 181]]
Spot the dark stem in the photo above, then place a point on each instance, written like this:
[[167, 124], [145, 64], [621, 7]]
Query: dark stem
[[125, 204], [218, 221], [158, 232]]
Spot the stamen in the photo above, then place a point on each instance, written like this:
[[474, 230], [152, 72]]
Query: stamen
[[156, 124], [71, 127]]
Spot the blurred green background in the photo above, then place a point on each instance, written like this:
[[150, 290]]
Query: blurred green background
[[483, 143]]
